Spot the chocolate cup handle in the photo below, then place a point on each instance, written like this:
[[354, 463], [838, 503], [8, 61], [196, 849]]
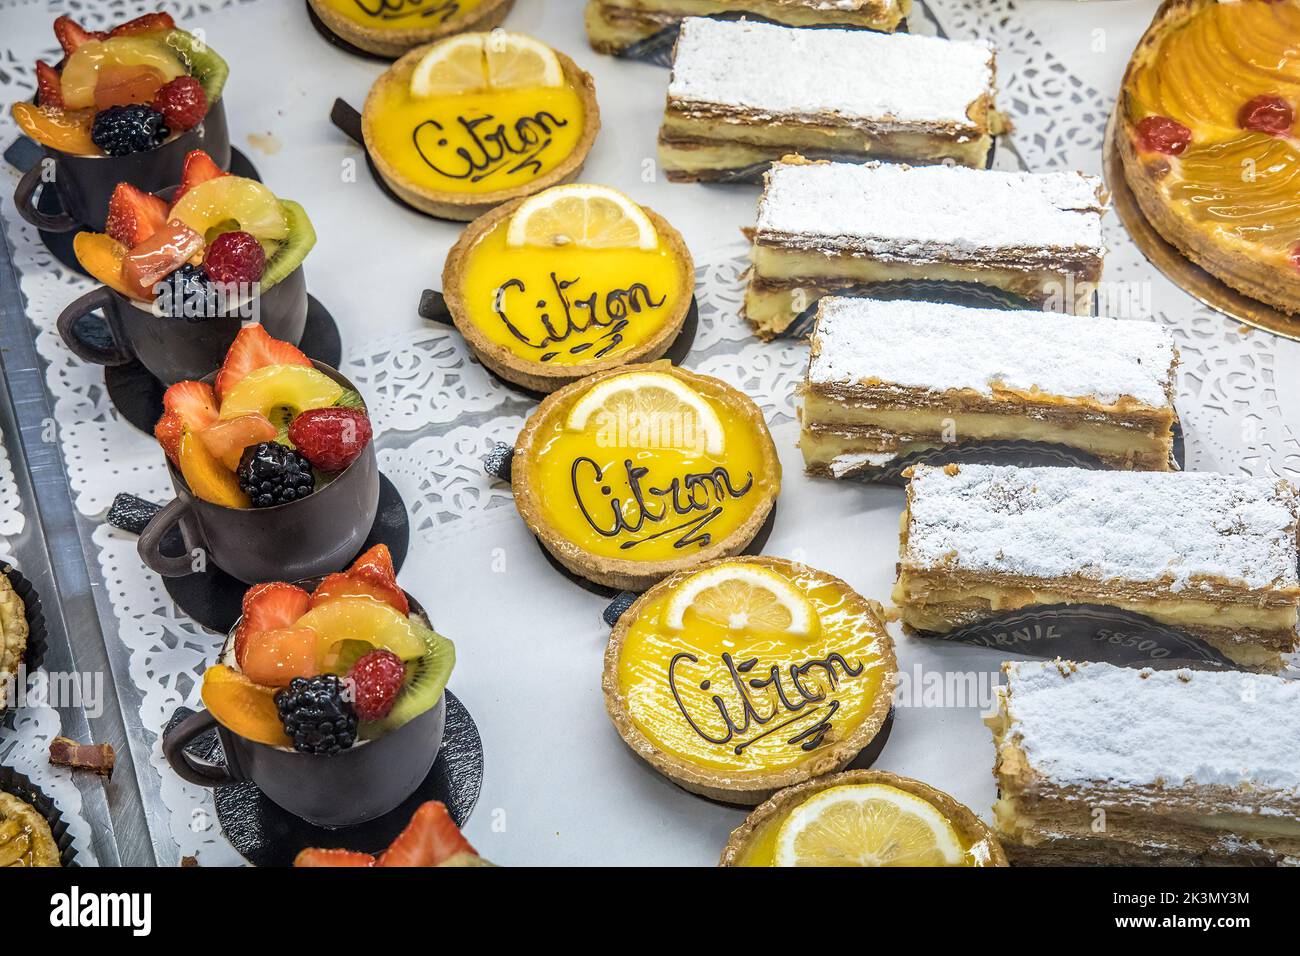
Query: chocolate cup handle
[[188, 767], [150, 543], [93, 301], [24, 200]]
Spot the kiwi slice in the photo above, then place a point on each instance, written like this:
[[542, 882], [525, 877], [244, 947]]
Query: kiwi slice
[[205, 66], [426, 679], [290, 252]]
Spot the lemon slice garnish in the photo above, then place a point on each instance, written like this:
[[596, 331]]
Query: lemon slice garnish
[[867, 825], [649, 410], [589, 217], [743, 596], [475, 62]]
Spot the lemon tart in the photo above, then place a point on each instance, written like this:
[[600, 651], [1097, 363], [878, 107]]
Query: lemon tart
[[574, 280], [1208, 139], [863, 818], [632, 474], [748, 675], [391, 27], [478, 119]]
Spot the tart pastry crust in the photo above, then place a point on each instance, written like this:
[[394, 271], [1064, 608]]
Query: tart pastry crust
[[25, 836], [467, 206], [13, 636], [984, 847], [393, 43], [740, 786], [543, 376], [1106, 765], [622, 572]]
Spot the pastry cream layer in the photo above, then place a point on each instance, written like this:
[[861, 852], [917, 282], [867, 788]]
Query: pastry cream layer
[[401, 14], [568, 305], [744, 700], [472, 143]]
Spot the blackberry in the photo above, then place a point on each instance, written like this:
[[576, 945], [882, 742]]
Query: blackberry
[[315, 714], [188, 294], [274, 474], [122, 130]]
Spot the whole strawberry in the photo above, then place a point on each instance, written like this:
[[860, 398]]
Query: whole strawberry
[[234, 257], [331, 438], [376, 681], [182, 103]]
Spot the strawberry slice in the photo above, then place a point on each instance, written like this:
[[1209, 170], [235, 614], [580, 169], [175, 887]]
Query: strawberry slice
[[341, 584], [49, 86], [373, 570], [429, 839], [315, 857], [149, 23], [72, 34], [199, 168], [252, 349], [168, 431], [134, 215], [193, 402], [268, 607]]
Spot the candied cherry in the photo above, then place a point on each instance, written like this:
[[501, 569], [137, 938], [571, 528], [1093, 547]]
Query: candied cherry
[[1267, 114], [1160, 134]]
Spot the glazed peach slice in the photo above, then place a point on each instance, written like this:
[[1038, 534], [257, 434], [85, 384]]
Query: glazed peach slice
[[65, 130], [273, 658], [227, 439], [101, 255], [243, 707], [207, 476]]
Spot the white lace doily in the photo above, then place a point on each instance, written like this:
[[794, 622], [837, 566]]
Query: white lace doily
[[437, 412]]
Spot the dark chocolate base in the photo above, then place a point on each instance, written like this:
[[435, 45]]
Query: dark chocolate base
[[213, 598], [334, 40], [18, 784], [137, 395], [267, 835], [37, 635]]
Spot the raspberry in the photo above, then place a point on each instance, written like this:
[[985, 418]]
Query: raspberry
[[183, 103], [376, 681], [1160, 134], [234, 257], [331, 438], [1267, 114]]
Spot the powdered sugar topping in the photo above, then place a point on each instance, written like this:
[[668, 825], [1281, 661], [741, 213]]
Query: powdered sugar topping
[[1150, 527], [939, 347]]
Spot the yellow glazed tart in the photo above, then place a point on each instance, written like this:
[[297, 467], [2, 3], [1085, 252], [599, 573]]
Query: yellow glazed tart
[[467, 123], [543, 300], [391, 27], [25, 837], [1208, 139], [13, 637], [862, 818], [632, 474], [748, 675]]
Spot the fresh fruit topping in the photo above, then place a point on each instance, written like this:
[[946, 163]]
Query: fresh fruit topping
[[274, 474], [204, 63], [272, 606], [426, 679], [363, 619], [742, 597], [331, 438], [375, 567], [867, 825], [134, 215], [342, 584], [149, 23], [188, 294], [280, 392], [182, 103], [199, 168], [1267, 114], [168, 431], [252, 349], [208, 477], [234, 257], [64, 130], [243, 707], [1295, 256], [94, 60], [48, 91], [335, 857], [274, 658], [72, 34], [351, 399], [656, 398], [101, 255], [228, 438], [430, 839], [376, 681], [193, 402], [125, 85], [589, 217], [315, 715], [226, 199], [159, 256], [123, 130], [473, 62], [1160, 134], [290, 253]]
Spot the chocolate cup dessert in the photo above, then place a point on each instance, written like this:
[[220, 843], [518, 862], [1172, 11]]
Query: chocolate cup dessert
[[300, 539], [344, 789], [176, 349], [86, 183]]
